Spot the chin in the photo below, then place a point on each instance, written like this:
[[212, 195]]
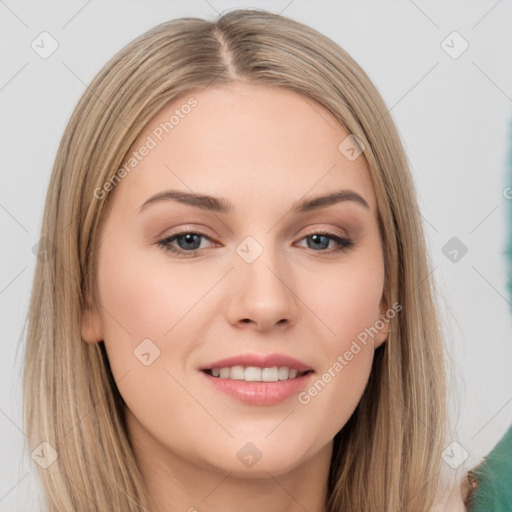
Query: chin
[[254, 459]]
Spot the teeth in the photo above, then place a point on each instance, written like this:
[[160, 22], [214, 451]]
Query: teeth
[[283, 373], [253, 374], [270, 374], [256, 374], [224, 373], [237, 373]]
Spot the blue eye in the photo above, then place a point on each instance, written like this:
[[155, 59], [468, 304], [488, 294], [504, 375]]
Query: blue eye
[[321, 240], [189, 243]]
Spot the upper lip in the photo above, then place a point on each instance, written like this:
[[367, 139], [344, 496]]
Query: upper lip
[[262, 361]]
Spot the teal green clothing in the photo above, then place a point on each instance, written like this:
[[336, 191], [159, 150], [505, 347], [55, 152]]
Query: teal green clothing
[[494, 475]]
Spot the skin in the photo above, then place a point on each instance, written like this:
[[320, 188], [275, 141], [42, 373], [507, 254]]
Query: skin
[[262, 148]]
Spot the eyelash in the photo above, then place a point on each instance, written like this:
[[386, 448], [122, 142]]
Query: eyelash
[[345, 243]]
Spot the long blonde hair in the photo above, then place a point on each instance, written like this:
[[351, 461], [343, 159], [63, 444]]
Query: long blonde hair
[[388, 456]]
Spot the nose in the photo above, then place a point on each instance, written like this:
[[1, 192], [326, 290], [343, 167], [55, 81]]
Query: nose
[[262, 293]]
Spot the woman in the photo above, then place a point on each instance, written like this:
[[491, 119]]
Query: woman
[[239, 310]]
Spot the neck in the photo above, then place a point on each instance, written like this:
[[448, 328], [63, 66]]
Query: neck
[[175, 482]]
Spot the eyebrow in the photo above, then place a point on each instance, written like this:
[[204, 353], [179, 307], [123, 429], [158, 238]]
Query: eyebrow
[[222, 205]]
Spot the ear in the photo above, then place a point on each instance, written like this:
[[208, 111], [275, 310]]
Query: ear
[[92, 329], [382, 335]]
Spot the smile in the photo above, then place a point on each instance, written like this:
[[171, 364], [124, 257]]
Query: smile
[[258, 391], [255, 373]]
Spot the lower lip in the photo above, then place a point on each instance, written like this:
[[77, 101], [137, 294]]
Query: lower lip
[[260, 393]]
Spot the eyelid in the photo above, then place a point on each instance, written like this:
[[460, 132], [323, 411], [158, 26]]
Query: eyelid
[[342, 233], [168, 233]]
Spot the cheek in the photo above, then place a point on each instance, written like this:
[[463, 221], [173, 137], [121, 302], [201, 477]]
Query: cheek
[[137, 305], [144, 298], [348, 304], [347, 356], [348, 309], [337, 388], [147, 331]]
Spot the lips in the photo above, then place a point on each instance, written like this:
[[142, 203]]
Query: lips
[[262, 361], [259, 393]]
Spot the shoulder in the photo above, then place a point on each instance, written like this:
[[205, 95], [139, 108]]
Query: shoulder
[[456, 501], [453, 500]]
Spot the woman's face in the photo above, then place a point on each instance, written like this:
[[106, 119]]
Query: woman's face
[[266, 271]]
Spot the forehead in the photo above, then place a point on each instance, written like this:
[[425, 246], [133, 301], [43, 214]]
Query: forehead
[[244, 141]]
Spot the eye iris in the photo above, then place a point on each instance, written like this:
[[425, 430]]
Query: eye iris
[[316, 239], [189, 239]]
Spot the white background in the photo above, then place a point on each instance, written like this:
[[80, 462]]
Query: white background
[[454, 117]]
